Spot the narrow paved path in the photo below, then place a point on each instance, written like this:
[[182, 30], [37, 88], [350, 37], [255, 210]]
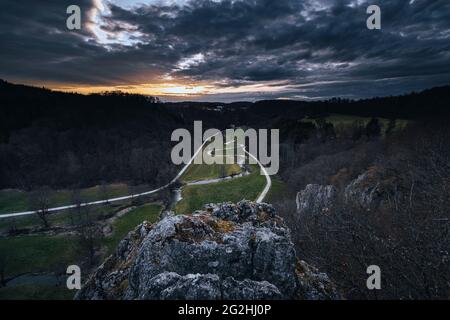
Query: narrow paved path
[[266, 189], [180, 173]]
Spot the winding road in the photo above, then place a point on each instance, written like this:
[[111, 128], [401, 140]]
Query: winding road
[[260, 199], [266, 189]]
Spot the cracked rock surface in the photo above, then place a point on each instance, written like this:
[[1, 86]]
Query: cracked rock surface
[[226, 251]]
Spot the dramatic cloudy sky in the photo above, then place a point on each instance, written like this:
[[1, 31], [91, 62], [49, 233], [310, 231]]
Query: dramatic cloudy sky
[[224, 50]]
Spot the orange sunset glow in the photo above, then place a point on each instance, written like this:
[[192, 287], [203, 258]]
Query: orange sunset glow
[[173, 89], [163, 89]]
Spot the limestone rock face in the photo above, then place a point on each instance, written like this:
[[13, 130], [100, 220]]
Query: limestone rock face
[[227, 251], [365, 191], [368, 191], [316, 199]]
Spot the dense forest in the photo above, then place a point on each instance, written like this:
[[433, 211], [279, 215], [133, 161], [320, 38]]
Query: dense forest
[[70, 140], [400, 219], [431, 104], [60, 140]]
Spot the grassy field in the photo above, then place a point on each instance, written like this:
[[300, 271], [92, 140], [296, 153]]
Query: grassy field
[[40, 253], [277, 189], [126, 223], [46, 254], [37, 254], [203, 172], [12, 200], [248, 187], [60, 218]]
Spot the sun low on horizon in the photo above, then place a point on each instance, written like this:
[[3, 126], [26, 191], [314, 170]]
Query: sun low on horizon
[[227, 50], [219, 158], [159, 90]]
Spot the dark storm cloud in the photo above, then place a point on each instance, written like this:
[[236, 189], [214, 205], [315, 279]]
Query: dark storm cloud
[[37, 47], [35, 42], [316, 48]]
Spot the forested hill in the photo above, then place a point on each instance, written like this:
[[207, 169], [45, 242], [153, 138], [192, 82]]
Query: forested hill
[[23, 106], [67, 139], [70, 140], [431, 104]]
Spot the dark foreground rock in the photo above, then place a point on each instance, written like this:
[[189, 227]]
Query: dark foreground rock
[[227, 251]]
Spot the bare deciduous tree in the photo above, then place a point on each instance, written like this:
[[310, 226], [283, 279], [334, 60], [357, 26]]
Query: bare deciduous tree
[[40, 202], [407, 234], [89, 236]]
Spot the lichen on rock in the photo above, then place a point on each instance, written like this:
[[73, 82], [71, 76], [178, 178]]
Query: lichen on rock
[[226, 251]]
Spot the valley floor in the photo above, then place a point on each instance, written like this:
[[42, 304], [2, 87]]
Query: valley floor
[[34, 258]]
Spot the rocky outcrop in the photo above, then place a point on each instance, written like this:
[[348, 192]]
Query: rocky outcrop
[[315, 199], [226, 251], [368, 191], [172, 286], [313, 283]]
